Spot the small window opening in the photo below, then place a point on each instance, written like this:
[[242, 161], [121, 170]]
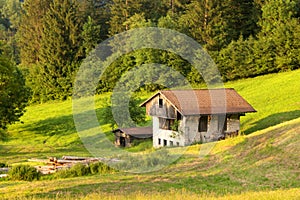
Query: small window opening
[[165, 142], [160, 103]]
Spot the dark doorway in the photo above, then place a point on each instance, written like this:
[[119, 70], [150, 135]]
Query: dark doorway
[[122, 142]]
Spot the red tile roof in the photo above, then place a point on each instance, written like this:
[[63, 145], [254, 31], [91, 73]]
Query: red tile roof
[[205, 101]]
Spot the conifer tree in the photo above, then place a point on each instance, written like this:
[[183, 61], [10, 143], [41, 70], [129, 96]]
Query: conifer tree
[[90, 35], [278, 40], [30, 30], [215, 23], [121, 11], [61, 48], [12, 11]]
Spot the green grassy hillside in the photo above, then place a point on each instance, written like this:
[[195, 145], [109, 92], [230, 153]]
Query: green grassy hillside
[[264, 162], [263, 165], [276, 97]]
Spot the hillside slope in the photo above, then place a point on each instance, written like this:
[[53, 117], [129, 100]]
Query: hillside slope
[[48, 129], [265, 165], [276, 97]]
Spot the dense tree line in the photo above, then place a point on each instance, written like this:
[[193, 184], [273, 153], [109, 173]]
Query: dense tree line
[[49, 39]]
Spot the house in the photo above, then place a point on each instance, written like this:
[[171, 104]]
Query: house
[[184, 117], [125, 136]]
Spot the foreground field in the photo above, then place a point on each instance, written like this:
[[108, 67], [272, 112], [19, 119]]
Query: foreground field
[[262, 164]]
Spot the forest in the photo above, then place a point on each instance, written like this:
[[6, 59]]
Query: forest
[[48, 40]]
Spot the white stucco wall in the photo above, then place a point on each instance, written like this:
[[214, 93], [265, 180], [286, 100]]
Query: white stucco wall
[[168, 135], [188, 131]]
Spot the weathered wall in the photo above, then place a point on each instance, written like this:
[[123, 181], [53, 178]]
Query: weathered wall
[[190, 128], [233, 123], [167, 111], [188, 134]]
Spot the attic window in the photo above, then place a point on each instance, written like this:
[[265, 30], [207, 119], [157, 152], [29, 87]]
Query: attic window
[[160, 103]]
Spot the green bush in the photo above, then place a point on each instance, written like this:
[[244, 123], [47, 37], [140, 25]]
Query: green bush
[[103, 168], [74, 171], [80, 170], [3, 165], [83, 170], [24, 173], [94, 168]]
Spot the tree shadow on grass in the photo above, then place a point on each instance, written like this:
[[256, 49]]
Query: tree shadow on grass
[[53, 134], [273, 120], [3, 135], [62, 125]]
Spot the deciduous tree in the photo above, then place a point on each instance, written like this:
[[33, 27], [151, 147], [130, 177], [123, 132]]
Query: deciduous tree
[[14, 95]]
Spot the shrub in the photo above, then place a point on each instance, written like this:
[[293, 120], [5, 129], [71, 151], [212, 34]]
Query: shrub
[[80, 170], [3, 165], [83, 170], [76, 170], [94, 168], [24, 173]]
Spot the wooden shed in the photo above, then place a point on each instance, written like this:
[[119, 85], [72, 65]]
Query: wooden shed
[[125, 136]]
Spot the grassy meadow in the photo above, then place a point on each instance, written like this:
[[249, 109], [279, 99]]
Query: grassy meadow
[[263, 163]]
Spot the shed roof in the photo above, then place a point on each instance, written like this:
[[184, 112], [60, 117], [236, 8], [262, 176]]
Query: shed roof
[[139, 132], [205, 101]]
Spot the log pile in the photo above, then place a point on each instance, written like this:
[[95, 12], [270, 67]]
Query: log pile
[[3, 172], [54, 164], [4, 169]]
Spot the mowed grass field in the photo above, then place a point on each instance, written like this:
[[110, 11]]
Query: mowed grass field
[[262, 163]]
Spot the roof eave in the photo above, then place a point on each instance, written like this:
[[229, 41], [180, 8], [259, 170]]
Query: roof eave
[[149, 99], [219, 113]]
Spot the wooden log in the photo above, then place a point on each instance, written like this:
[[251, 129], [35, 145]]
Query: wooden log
[[3, 175], [75, 158], [4, 169], [37, 160], [46, 169]]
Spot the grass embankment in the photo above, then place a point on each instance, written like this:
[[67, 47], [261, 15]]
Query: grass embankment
[[264, 163]]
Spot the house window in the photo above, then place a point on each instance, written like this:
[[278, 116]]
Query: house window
[[171, 143], [159, 141], [177, 143], [178, 116], [166, 123], [160, 103], [203, 124], [165, 142]]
